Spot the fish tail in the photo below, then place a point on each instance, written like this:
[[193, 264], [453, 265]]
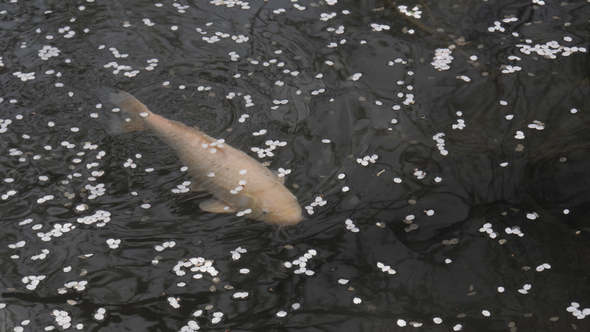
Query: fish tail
[[134, 109]]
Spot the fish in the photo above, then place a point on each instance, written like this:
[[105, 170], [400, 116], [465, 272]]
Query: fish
[[239, 184]]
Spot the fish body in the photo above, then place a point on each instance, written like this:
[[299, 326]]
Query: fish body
[[238, 183]]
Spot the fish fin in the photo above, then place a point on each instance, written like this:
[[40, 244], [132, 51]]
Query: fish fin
[[133, 107], [134, 124], [281, 179], [216, 206], [116, 126], [197, 187]]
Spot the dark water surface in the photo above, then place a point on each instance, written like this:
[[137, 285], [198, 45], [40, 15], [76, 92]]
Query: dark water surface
[[442, 161]]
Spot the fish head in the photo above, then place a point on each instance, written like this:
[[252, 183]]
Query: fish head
[[282, 210]]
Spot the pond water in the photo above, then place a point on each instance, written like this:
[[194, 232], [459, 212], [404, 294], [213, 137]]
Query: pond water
[[439, 150]]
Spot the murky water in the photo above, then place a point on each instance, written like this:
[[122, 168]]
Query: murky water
[[440, 154]]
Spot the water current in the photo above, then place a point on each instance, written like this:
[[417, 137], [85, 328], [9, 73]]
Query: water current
[[439, 150]]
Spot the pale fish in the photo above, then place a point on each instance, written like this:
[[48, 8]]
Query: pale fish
[[238, 183]]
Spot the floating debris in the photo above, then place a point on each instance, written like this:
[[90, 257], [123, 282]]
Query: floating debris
[[351, 226], [100, 313], [174, 302], [514, 230], [183, 187], [487, 228], [41, 256], [442, 59], [331, 89], [419, 174], [63, 319], [25, 76], [198, 265], [367, 159], [217, 316], [165, 245], [380, 27], [542, 267], [440, 142], [301, 262], [113, 243], [537, 125], [32, 281], [57, 231], [78, 286], [525, 289], [385, 268], [237, 253], [100, 217], [319, 201], [415, 12], [191, 326], [574, 308]]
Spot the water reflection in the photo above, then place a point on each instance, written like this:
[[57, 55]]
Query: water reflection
[[441, 199]]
